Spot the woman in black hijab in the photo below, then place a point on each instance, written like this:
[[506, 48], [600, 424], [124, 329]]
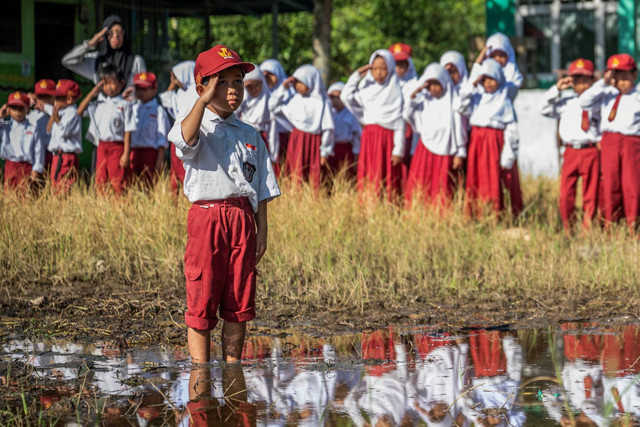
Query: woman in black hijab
[[111, 45]]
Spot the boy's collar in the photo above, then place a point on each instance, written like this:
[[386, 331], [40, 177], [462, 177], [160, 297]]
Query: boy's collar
[[211, 116]]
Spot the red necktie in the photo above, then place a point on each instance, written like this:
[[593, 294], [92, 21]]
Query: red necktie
[[588, 383], [585, 120], [614, 110]]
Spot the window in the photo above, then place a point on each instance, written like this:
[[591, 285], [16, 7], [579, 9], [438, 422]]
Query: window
[[11, 26]]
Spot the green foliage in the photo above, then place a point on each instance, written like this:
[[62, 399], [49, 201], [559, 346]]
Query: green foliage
[[358, 28]]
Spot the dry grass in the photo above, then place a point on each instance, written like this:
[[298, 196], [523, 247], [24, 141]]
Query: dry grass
[[324, 251]]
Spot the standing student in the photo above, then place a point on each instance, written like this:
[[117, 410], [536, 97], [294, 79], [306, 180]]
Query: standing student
[[42, 101], [178, 100], [255, 107], [65, 127], [429, 109], [281, 127], [374, 96], [111, 126], [21, 147], [493, 142], [347, 134], [309, 111], [618, 99], [149, 140], [579, 130], [456, 66]]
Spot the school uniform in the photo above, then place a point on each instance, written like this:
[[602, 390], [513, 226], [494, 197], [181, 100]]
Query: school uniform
[[281, 126], [110, 118], [493, 142], [439, 126], [347, 136], [227, 172], [379, 108], [313, 128], [178, 104], [22, 152], [579, 130], [40, 119], [65, 145], [152, 127], [255, 110], [620, 152]]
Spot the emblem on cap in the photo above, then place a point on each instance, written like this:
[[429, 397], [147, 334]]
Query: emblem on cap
[[615, 62], [397, 48], [580, 63], [43, 84], [17, 95], [224, 52], [198, 78], [58, 84], [143, 76]]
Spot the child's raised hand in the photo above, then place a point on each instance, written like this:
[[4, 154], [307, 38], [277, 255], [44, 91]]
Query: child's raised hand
[[288, 82], [364, 69], [98, 37], [96, 89], [128, 92], [482, 55], [210, 89], [608, 78], [420, 89], [564, 83], [478, 81], [3, 111]]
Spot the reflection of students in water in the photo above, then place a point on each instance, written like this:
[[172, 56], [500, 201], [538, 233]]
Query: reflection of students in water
[[621, 365], [497, 367], [382, 393], [440, 377]]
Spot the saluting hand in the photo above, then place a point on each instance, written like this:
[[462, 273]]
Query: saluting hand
[[209, 90], [288, 82], [364, 69], [608, 78], [98, 37], [420, 89], [96, 89], [3, 111], [565, 83], [482, 55]]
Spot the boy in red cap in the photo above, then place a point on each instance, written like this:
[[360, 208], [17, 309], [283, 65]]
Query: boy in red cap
[[229, 179], [617, 97], [111, 127], [149, 141], [579, 129], [21, 147], [42, 102], [65, 127]]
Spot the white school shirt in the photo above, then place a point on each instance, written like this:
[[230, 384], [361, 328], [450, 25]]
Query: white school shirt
[[568, 109], [40, 119], [66, 135], [349, 96], [348, 129], [512, 78], [21, 143], [602, 96], [152, 125], [573, 380], [110, 117], [229, 159]]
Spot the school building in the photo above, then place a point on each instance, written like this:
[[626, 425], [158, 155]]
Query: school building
[[548, 34]]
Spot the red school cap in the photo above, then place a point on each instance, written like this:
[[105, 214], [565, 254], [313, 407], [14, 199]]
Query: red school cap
[[19, 99], [66, 87], [45, 87], [401, 51], [622, 62], [145, 79], [582, 67], [216, 59]]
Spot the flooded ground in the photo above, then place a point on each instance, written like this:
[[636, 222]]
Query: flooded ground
[[572, 374]]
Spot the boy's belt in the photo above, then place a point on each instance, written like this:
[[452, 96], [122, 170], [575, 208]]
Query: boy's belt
[[232, 201], [581, 146]]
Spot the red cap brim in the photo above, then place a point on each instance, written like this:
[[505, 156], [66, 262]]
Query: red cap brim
[[401, 56], [144, 83]]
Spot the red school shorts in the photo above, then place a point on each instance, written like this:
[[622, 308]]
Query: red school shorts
[[220, 262]]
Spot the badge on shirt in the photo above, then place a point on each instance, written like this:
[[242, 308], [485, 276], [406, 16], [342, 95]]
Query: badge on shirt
[[248, 170]]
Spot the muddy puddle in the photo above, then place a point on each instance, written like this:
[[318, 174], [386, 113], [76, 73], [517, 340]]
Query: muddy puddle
[[579, 374]]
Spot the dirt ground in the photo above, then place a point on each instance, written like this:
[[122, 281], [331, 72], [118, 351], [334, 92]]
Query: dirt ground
[[87, 312]]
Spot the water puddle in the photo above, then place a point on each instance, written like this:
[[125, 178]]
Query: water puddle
[[569, 375]]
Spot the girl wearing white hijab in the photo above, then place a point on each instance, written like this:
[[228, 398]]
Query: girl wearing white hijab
[[347, 134], [493, 144], [178, 100], [255, 106], [281, 129], [499, 48], [429, 109], [309, 111], [374, 96], [456, 66]]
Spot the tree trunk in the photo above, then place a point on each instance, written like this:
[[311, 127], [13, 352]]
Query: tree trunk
[[322, 37]]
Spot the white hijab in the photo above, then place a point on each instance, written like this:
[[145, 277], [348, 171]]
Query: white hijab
[[456, 58], [499, 41], [336, 87], [310, 113], [274, 67], [255, 111], [185, 98], [438, 120], [496, 106], [381, 103]]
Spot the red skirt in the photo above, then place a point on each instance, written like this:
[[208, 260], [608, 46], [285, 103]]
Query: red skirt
[[378, 346], [64, 171], [375, 170], [108, 170], [143, 164], [16, 175], [303, 158], [177, 170], [488, 357], [343, 158], [406, 163], [430, 176]]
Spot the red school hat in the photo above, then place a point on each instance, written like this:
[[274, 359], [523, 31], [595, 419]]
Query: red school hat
[[401, 51], [18, 99], [45, 87], [216, 59], [622, 62], [145, 79], [582, 67], [66, 87]]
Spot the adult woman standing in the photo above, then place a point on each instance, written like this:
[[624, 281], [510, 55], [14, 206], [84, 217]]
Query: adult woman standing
[[111, 45]]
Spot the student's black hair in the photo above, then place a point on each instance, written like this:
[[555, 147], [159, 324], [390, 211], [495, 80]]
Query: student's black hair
[[205, 80], [110, 71]]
